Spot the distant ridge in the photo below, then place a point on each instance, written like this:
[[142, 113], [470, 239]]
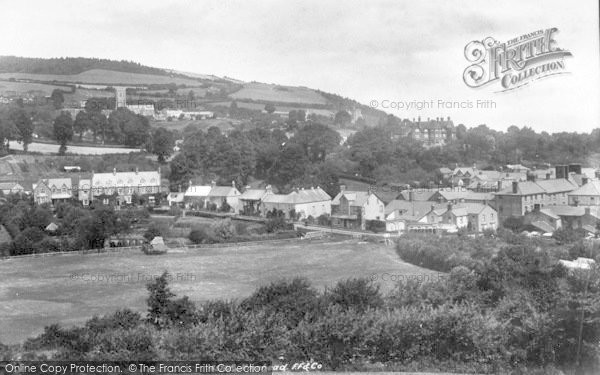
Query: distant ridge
[[74, 65]]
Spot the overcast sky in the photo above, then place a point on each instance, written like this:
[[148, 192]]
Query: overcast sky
[[365, 50]]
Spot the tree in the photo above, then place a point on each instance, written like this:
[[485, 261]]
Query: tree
[[342, 118], [23, 125], [57, 98], [162, 144], [83, 121], [63, 131], [159, 299], [270, 108]]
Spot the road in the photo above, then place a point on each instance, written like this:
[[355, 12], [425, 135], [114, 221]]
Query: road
[[46, 148]]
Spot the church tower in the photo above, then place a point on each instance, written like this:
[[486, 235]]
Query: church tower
[[121, 97]]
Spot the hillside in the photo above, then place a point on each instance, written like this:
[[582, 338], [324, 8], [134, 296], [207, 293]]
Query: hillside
[[103, 77], [72, 65], [29, 77]]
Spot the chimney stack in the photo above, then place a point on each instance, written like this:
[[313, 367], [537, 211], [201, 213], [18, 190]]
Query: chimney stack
[[114, 171], [136, 170], [499, 185], [584, 180], [587, 211], [515, 187], [269, 189], [233, 183], [547, 176], [449, 206], [213, 183], [342, 188]]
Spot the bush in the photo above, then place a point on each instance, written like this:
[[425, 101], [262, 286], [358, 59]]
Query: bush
[[153, 231], [275, 224], [201, 235], [223, 229], [359, 294]]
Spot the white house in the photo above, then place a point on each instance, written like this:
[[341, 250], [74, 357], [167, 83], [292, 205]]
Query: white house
[[312, 202]]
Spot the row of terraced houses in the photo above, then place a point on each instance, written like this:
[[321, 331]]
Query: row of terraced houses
[[547, 199]]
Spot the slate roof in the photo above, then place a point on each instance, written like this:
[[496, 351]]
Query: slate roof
[[253, 194], [198, 191], [559, 185], [223, 191], [418, 195], [115, 179], [355, 198], [591, 188], [298, 196], [414, 209]]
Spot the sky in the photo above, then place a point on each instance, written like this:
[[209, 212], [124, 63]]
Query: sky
[[384, 51]]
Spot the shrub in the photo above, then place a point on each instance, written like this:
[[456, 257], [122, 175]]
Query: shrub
[[153, 231], [223, 229], [201, 235], [359, 294], [275, 224]]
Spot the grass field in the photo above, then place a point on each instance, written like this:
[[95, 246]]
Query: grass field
[[36, 292], [26, 87], [101, 76], [274, 93]]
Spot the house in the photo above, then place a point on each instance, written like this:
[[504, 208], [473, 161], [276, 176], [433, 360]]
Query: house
[[11, 188], [52, 190], [251, 200], [219, 195], [352, 209], [480, 217], [400, 214], [196, 196], [586, 195], [563, 216], [417, 194], [304, 203], [119, 187], [526, 196], [176, 199]]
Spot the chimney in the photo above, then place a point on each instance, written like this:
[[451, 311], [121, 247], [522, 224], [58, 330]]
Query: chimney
[[515, 187], [136, 170], [342, 188], [432, 207], [547, 176], [449, 206], [584, 180], [269, 189], [158, 171], [114, 171], [233, 183], [499, 185], [179, 187], [213, 183], [587, 211], [531, 176], [190, 184], [411, 195]]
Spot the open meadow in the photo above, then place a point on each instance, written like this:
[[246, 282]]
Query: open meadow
[[69, 289]]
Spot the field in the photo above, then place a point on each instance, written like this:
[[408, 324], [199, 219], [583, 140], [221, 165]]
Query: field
[[279, 108], [47, 148], [101, 76], [180, 125], [16, 88], [274, 93], [35, 292]]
